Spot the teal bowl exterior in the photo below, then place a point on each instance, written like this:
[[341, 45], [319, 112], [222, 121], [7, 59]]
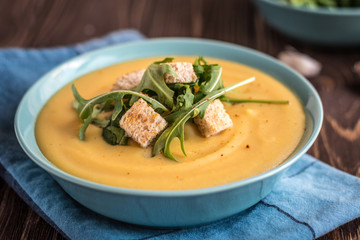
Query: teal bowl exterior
[[165, 208], [320, 26]]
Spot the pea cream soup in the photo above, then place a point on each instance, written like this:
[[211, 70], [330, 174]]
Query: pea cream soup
[[262, 135]]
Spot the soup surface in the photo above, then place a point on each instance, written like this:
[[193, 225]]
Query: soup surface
[[262, 137]]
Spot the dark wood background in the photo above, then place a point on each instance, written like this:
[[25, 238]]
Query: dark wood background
[[42, 23]]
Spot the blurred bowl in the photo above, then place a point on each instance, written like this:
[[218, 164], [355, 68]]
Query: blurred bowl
[[320, 26], [165, 208]]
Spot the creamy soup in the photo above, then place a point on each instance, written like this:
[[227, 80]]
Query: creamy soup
[[262, 137]]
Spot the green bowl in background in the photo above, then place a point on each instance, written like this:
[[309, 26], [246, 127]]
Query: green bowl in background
[[320, 26]]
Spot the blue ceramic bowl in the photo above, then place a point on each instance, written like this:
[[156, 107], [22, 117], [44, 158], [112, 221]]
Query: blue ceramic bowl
[[320, 26], [165, 208]]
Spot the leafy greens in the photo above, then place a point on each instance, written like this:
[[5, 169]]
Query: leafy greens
[[176, 129], [323, 3], [177, 103], [85, 108], [153, 80]]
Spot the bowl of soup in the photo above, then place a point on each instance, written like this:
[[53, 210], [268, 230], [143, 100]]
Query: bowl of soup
[[220, 176], [320, 25]]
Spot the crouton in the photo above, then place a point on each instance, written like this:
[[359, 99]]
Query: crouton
[[215, 120], [142, 123], [129, 81], [185, 72]]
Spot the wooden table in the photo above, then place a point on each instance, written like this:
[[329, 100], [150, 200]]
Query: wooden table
[[42, 23]]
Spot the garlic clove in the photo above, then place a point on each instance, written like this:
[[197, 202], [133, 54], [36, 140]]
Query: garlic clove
[[300, 62]]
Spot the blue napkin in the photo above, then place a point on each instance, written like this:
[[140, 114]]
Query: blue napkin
[[310, 200]]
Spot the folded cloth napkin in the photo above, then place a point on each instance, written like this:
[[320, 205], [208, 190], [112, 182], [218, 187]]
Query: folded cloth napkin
[[311, 199]]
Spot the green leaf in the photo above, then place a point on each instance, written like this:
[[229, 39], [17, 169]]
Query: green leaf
[[198, 66], [163, 142], [153, 79], [212, 77], [209, 77], [166, 60], [199, 60], [87, 111], [236, 100], [80, 103], [185, 100], [114, 135], [118, 108], [101, 123], [86, 106], [176, 129], [84, 126]]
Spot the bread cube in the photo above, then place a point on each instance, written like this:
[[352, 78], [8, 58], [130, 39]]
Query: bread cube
[[215, 120], [185, 72], [129, 81], [142, 123]]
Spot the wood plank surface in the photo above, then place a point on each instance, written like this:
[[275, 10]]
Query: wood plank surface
[[41, 23]]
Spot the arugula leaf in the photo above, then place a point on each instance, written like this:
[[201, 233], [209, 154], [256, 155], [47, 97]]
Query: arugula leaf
[[199, 60], [185, 100], [115, 135], [176, 129], [212, 77], [166, 60], [84, 126], [85, 108], [117, 109], [79, 104], [198, 66], [101, 123], [153, 79], [112, 132], [209, 77], [236, 100]]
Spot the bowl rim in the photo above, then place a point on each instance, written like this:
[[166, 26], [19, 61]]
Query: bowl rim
[[166, 193], [335, 11]]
